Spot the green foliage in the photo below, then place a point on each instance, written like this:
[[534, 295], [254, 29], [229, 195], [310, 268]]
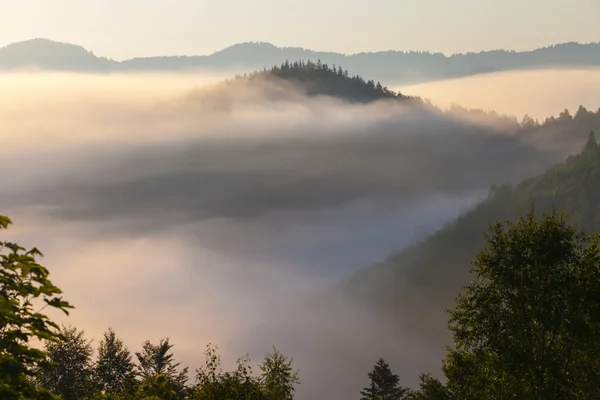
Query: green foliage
[[278, 377], [65, 367], [430, 388], [70, 373], [115, 371], [208, 376], [23, 282], [157, 360], [384, 385], [214, 384], [528, 326], [157, 387], [276, 382]]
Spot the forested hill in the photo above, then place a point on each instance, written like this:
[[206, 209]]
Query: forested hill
[[416, 285], [392, 67], [321, 79]]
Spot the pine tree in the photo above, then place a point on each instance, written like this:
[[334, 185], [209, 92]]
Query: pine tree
[[591, 143], [71, 373], [115, 370], [385, 385], [565, 116]]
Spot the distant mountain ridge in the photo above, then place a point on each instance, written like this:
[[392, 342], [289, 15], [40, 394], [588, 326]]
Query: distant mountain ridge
[[391, 67]]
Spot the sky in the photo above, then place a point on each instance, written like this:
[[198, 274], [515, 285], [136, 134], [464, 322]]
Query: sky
[[123, 29]]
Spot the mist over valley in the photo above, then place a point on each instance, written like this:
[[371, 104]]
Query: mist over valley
[[300, 206]]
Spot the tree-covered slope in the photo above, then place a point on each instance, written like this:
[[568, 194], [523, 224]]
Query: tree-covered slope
[[321, 79], [417, 284]]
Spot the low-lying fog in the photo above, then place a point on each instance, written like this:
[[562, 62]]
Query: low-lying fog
[[210, 215], [538, 93]]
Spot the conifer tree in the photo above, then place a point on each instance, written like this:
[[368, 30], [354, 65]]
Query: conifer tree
[[385, 385], [591, 143]]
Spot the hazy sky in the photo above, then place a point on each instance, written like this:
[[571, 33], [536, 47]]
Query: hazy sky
[[122, 29]]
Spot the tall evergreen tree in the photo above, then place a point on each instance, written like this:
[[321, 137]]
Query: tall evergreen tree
[[70, 373], [385, 385], [115, 371], [591, 143]]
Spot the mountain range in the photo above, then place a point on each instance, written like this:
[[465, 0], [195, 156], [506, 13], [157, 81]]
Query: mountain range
[[391, 67]]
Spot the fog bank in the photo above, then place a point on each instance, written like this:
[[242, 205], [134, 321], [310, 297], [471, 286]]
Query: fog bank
[[538, 93], [170, 205]]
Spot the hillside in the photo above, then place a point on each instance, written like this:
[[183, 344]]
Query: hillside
[[46, 54], [321, 79], [393, 67], [417, 284]]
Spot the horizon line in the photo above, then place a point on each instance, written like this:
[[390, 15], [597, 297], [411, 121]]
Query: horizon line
[[281, 47]]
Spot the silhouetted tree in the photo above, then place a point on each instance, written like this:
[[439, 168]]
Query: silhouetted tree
[[156, 359], [214, 384], [71, 372], [385, 385], [528, 122], [565, 116], [430, 388], [591, 143], [115, 371], [278, 377]]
